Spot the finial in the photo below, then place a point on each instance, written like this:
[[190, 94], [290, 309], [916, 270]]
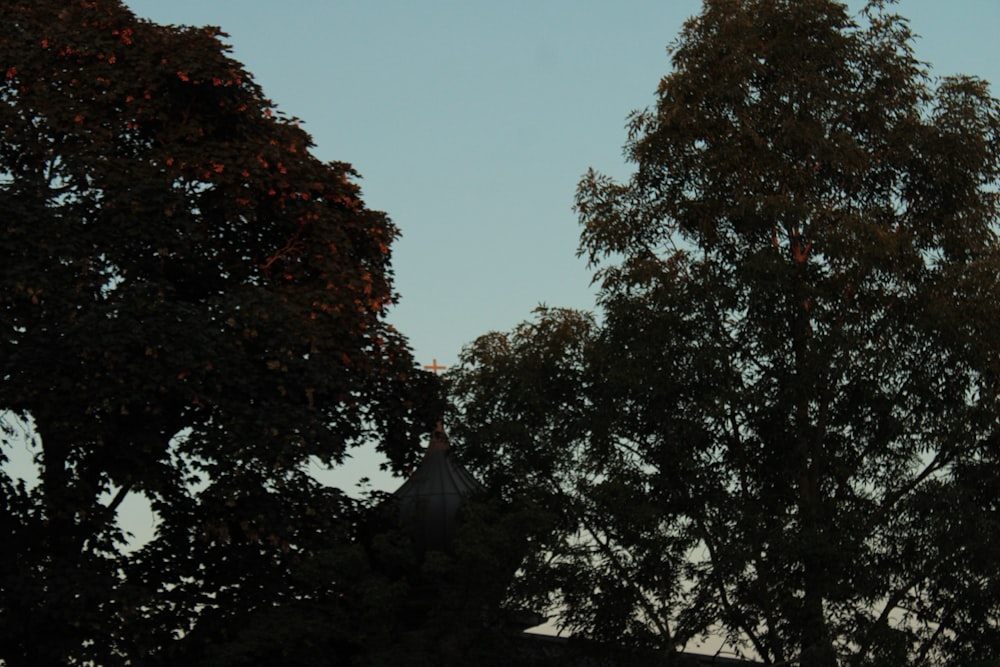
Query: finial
[[439, 440]]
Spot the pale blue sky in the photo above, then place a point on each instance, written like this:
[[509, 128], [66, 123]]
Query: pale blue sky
[[471, 122]]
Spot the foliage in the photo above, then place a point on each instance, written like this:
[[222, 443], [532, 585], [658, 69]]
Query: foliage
[[193, 309], [784, 427]]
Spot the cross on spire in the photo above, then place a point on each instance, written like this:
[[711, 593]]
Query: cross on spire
[[435, 367]]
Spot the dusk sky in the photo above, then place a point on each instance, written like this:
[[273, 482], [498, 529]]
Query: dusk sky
[[471, 123]]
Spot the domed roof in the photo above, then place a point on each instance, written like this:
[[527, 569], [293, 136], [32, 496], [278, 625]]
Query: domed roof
[[429, 500]]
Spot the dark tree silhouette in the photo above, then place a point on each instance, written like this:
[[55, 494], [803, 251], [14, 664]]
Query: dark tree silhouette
[[784, 422], [192, 309]]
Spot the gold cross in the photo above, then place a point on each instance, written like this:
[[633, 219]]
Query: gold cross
[[435, 367]]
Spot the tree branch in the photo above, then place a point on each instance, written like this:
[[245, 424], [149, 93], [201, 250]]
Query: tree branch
[[112, 507]]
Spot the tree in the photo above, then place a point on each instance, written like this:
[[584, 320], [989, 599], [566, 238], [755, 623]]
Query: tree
[[604, 554], [193, 309], [785, 425]]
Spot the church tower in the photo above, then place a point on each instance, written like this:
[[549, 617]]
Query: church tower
[[429, 501]]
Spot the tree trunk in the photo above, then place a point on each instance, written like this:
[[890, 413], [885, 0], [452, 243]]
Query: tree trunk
[[815, 642]]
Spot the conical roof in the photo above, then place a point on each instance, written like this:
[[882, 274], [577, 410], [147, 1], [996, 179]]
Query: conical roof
[[429, 500]]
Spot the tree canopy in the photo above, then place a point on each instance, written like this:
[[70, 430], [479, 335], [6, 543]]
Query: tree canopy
[[193, 308], [781, 426]]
